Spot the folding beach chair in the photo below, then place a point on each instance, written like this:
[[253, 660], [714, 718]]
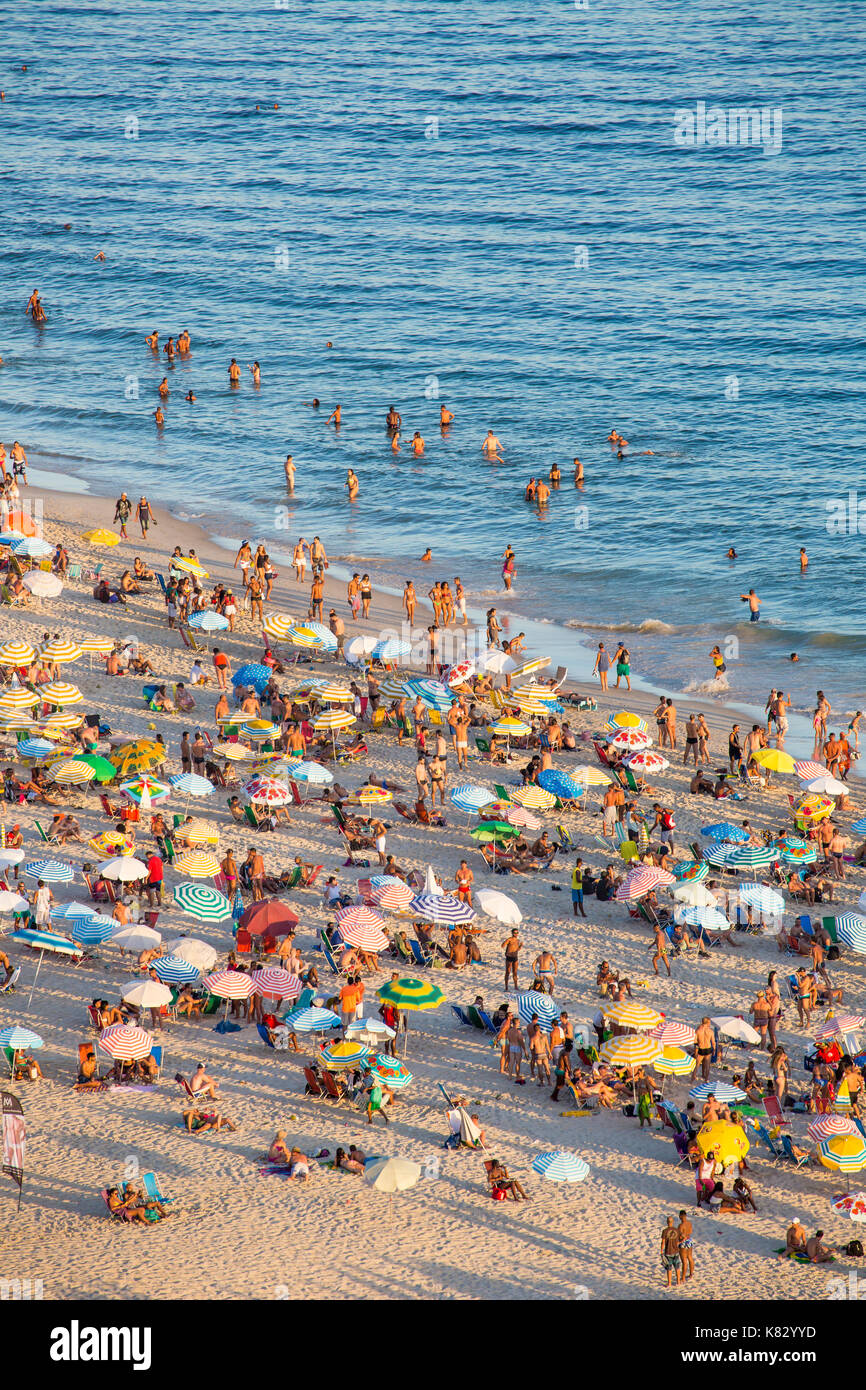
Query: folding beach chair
[[460, 1013], [419, 956], [151, 1188], [788, 1152]]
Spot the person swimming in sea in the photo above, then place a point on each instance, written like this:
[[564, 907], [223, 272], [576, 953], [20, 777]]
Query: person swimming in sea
[[731, 554]]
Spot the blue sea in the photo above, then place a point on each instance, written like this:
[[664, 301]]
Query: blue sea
[[551, 219]]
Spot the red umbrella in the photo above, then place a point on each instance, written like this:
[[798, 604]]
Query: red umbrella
[[270, 918]]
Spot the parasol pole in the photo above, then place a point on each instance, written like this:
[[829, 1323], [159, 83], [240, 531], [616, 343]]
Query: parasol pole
[[36, 976]]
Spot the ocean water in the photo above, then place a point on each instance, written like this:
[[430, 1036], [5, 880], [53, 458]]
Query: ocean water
[[484, 205]]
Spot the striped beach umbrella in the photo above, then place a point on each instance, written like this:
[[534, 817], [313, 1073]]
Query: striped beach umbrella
[[188, 565], [313, 773], [720, 855], [510, 727], [536, 798], [846, 1153], [708, 917], [629, 1013], [61, 650], [562, 784], [102, 768], [61, 693], [145, 788], [147, 994], [17, 1038], [559, 1165], [93, 931], [32, 548], [198, 832], [174, 970], [859, 826], [391, 649], [642, 880], [45, 941], [276, 983], [97, 645], [334, 693], [17, 653], [724, 1092], [126, 1042], [203, 902], [73, 912], [433, 693], [394, 1074], [413, 995], [441, 907], [37, 748], [136, 937], [851, 930], [342, 1055], [672, 1034], [632, 740], [393, 688], [260, 730], [518, 815], [690, 871], [761, 898], [369, 1030], [50, 870], [198, 863], [229, 984], [838, 1025], [302, 635], [533, 663], [71, 772], [470, 798], [359, 916], [15, 723], [366, 938], [233, 752], [624, 719], [278, 625], [393, 897], [268, 790], [16, 699], [826, 1126], [207, 620], [532, 1001], [54, 725], [647, 761], [531, 709], [313, 1020], [196, 952], [333, 719], [807, 855], [534, 693], [672, 1061], [809, 768], [630, 1050]]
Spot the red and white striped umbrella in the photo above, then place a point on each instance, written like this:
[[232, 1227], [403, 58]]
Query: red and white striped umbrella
[[393, 897], [827, 1126], [125, 1042], [642, 881], [518, 815], [229, 984], [836, 1026], [673, 1034], [359, 917], [278, 983], [809, 768], [269, 790], [367, 938]]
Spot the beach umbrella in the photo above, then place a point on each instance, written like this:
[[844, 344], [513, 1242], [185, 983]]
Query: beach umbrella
[[497, 661], [136, 937], [73, 912], [774, 760], [126, 1042], [42, 584], [201, 901], [694, 895], [647, 761], [233, 752], [17, 698], [359, 916], [15, 723], [314, 773], [562, 784], [188, 565], [96, 645], [392, 1174], [8, 537], [37, 748], [532, 663], [441, 907], [434, 693], [267, 790], [830, 786], [672, 1061], [101, 536], [17, 1039], [635, 740], [32, 548], [672, 1034], [359, 647], [809, 768], [259, 730], [629, 1013], [61, 693], [196, 952], [60, 720], [334, 692], [125, 868], [642, 880], [797, 853], [42, 941], [395, 1075], [139, 755], [174, 970], [332, 720], [559, 1165], [366, 938], [369, 1030], [460, 672], [530, 708], [276, 983], [710, 918], [278, 625], [851, 1204], [629, 1050], [341, 1055], [851, 930], [826, 1126], [313, 635], [813, 806], [469, 797], [228, 985], [726, 831], [837, 1026], [9, 857], [206, 620], [624, 719], [720, 855], [411, 996], [534, 797], [690, 871], [727, 1141], [510, 727], [17, 653], [147, 994], [103, 771], [740, 1031], [493, 831], [71, 772], [12, 902], [372, 796], [61, 651], [392, 897], [313, 1020], [519, 816], [724, 1093], [859, 826], [754, 857], [845, 1153], [144, 789], [489, 902], [533, 693], [391, 649], [197, 863], [50, 870], [762, 898], [269, 918], [532, 1001]]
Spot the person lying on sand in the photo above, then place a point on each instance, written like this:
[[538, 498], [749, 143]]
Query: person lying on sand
[[198, 1121]]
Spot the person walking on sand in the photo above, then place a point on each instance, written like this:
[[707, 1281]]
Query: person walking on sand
[[661, 951], [122, 513], [622, 660], [144, 516], [670, 1252], [410, 600], [602, 665], [511, 946], [687, 1253]]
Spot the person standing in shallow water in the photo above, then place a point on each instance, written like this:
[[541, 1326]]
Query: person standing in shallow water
[[602, 665]]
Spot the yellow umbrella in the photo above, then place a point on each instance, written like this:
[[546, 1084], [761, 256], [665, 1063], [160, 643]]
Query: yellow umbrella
[[139, 755], [591, 776], [727, 1141], [111, 843], [334, 692], [278, 625], [103, 645], [72, 772], [507, 724], [631, 1050], [631, 1014], [844, 1151], [17, 699], [59, 721], [102, 536], [197, 863], [17, 653], [198, 832], [183, 562], [775, 760], [535, 663], [532, 692], [333, 719], [536, 798], [624, 719], [532, 707], [372, 796], [814, 807]]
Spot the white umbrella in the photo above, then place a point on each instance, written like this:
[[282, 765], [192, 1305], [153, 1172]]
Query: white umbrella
[[430, 884], [825, 784], [392, 1174], [10, 857], [136, 938], [124, 867], [491, 903], [43, 584], [11, 902], [737, 1028], [497, 661], [147, 994], [193, 951], [694, 895], [359, 647]]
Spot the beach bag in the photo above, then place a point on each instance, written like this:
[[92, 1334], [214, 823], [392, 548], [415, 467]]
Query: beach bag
[[833, 953], [854, 1248], [498, 1194], [668, 822]]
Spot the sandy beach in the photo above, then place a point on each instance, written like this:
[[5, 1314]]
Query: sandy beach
[[235, 1233]]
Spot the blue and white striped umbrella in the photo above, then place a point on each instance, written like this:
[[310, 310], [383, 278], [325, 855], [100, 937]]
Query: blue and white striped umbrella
[[369, 1028], [723, 1091], [726, 830], [383, 880], [202, 901], [561, 784], [859, 826], [45, 941], [323, 635], [709, 918], [50, 870], [720, 855], [390, 649], [851, 930], [470, 798], [34, 748], [10, 537], [32, 548], [174, 970], [561, 1166], [762, 898], [207, 620], [312, 1020], [434, 694], [441, 907], [252, 673], [93, 930], [754, 857], [192, 784], [73, 912], [532, 1002], [17, 1037], [312, 773]]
